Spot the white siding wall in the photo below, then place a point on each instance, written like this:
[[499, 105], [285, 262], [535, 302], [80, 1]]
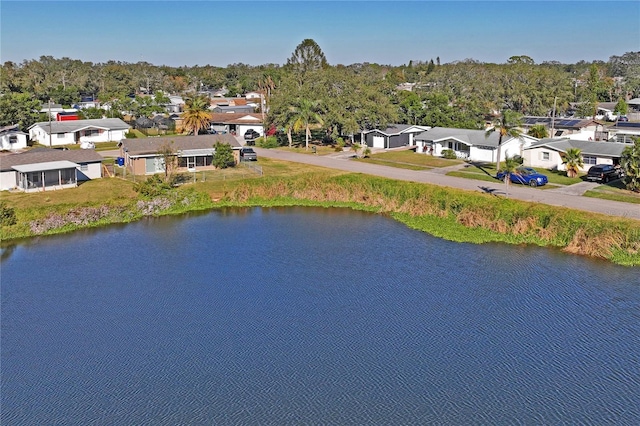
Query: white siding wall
[[6, 145], [242, 128], [479, 154], [538, 158], [7, 180], [93, 171], [42, 136]]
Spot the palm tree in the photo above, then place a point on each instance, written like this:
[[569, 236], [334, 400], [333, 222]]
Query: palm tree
[[511, 165], [196, 115], [572, 160], [305, 114], [508, 124], [538, 131]]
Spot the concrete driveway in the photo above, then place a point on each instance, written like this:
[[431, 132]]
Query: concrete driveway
[[563, 197]]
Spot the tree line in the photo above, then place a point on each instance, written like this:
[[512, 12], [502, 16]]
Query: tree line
[[307, 92]]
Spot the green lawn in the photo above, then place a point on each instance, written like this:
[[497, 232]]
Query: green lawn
[[403, 158], [614, 191], [487, 172]]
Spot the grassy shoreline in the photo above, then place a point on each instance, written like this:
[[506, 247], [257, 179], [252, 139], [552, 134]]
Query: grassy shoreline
[[447, 213]]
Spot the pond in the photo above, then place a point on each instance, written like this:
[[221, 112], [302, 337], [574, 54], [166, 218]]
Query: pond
[[311, 316]]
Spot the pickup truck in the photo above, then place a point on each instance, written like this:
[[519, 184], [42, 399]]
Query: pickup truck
[[248, 154]]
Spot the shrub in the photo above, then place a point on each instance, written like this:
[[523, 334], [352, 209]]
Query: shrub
[[130, 135], [7, 215], [449, 154], [268, 142], [153, 186], [223, 156]]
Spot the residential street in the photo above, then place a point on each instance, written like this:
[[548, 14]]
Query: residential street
[[563, 197]]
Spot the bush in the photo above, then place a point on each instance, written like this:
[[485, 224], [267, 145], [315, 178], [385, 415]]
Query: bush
[[223, 156], [130, 135], [7, 215], [449, 154], [153, 186], [268, 142]]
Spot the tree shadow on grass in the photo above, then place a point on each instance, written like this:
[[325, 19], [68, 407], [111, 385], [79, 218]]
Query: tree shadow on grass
[[484, 167]]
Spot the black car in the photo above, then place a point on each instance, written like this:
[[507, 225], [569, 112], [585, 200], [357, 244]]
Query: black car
[[251, 135], [248, 154], [603, 173]]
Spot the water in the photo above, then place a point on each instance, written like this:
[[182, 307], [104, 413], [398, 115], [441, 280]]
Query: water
[[312, 316]]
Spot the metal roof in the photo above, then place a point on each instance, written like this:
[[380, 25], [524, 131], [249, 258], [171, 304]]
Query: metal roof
[[196, 152], [76, 125], [42, 167], [607, 149], [145, 146], [467, 136], [46, 155]]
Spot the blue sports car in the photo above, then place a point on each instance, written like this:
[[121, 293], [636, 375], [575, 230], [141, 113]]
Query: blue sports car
[[525, 176]]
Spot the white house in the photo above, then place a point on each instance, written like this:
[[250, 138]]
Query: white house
[[58, 133], [12, 139], [548, 153], [394, 136], [237, 122], [474, 145], [45, 169]]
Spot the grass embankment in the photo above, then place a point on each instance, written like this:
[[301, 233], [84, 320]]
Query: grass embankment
[[451, 214]]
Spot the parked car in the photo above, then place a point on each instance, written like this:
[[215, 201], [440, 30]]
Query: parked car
[[251, 135], [603, 173], [248, 154], [525, 176], [623, 118]]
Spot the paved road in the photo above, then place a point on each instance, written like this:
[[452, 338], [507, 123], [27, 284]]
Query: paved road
[[564, 197]]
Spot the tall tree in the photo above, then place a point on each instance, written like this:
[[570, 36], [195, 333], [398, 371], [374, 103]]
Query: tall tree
[[19, 108], [196, 114], [307, 57], [508, 124]]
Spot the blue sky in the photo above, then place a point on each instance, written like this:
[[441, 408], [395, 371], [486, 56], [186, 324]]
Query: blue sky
[[386, 32]]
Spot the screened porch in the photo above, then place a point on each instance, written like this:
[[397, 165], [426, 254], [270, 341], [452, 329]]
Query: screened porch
[[46, 176]]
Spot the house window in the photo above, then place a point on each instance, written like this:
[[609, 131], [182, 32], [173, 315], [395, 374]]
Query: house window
[[13, 139], [60, 135], [92, 132], [84, 167], [588, 159], [545, 155]]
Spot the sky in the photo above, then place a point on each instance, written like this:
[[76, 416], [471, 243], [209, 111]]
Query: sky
[[220, 33]]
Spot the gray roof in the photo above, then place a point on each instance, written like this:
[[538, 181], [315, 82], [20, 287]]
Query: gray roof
[[47, 155], [606, 149], [146, 146], [469, 136], [393, 129], [12, 129], [76, 125], [41, 167]]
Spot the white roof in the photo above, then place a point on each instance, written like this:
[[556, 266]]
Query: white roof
[[196, 152], [41, 167]]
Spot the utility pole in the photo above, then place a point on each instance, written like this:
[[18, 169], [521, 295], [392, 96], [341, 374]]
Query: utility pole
[[553, 117], [50, 145]]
